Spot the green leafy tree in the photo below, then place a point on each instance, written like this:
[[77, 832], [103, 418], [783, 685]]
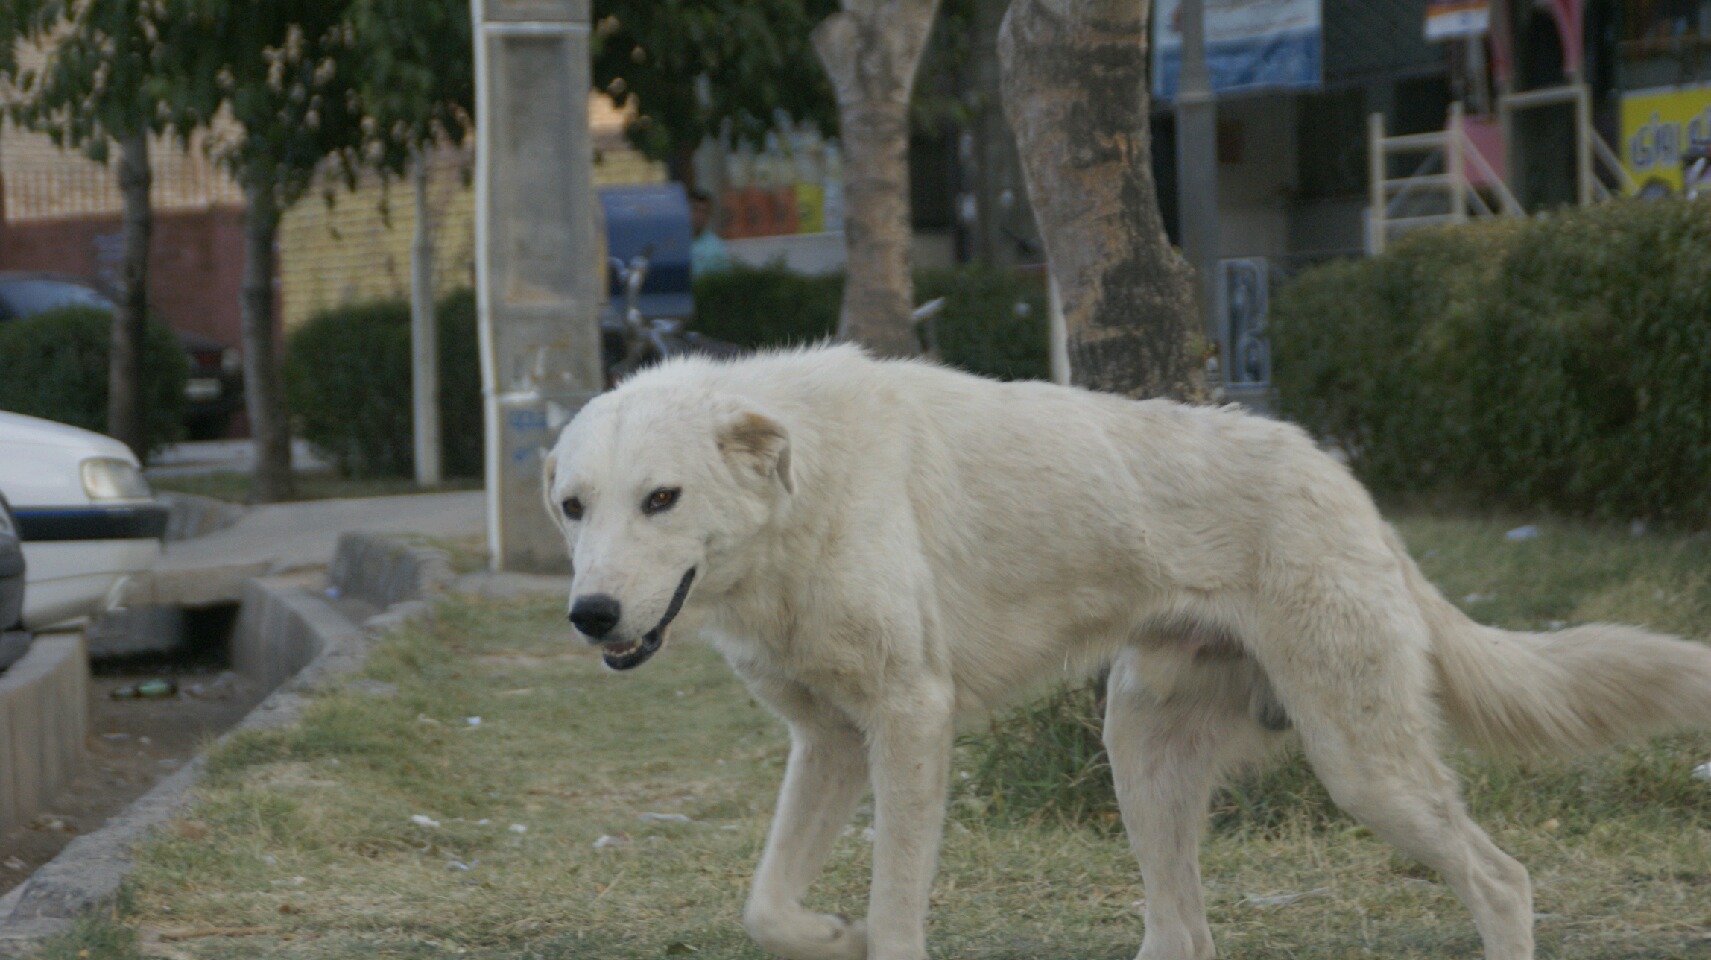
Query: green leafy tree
[[102, 88], [413, 69], [415, 79], [694, 65], [272, 82], [755, 57]]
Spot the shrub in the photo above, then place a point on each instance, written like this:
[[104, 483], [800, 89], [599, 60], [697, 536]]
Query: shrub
[[981, 329], [994, 322], [1557, 363], [347, 378], [767, 306], [1045, 758], [56, 364]]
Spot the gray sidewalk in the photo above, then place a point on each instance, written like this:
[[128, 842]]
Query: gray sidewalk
[[226, 456], [276, 538]]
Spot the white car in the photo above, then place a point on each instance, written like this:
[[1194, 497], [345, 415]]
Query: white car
[[87, 518]]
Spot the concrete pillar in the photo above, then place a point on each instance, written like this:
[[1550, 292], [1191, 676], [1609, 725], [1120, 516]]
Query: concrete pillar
[[1197, 165], [537, 274]]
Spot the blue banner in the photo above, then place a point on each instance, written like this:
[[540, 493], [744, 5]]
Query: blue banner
[[1251, 46]]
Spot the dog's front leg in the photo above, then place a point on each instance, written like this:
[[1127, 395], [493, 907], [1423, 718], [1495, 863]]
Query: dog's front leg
[[822, 781], [909, 753]]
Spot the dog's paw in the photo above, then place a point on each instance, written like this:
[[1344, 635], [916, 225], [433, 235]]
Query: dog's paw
[[800, 935], [846, 937]]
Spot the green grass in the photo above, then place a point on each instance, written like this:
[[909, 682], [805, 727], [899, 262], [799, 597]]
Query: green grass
[[235, 487], [300, 839]]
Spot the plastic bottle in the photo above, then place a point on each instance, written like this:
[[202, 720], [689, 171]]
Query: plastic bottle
[[834, 189], [810, 187]]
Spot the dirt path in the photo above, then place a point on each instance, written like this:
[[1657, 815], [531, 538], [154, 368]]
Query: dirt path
[[132, 745]]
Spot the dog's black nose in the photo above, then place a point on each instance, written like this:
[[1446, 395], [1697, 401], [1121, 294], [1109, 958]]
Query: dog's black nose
[[595, 615]]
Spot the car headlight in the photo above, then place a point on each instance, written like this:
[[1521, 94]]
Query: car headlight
[[105, 478]]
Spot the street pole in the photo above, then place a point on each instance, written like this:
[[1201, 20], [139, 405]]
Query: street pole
[[424, 334], [1197, 167], [536, 262]]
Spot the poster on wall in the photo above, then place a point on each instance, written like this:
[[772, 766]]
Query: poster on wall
[[1457, 19], [1666, 141], [1251, 46]]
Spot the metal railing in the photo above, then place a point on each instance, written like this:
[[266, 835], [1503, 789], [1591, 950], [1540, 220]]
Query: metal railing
[[1457, 195], [1595, 162]]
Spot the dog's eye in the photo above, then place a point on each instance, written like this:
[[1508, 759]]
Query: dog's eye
[[572, 508], [661, 500]]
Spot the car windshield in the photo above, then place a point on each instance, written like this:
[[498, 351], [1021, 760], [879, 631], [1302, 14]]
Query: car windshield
[[26, 298]]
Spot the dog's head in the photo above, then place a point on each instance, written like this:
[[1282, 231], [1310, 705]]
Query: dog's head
[[657, 490]]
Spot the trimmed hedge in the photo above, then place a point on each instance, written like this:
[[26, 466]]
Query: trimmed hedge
[[993, 323], [1559, 362], [347, 379], [54, 365], [767, 306], [347, 371]]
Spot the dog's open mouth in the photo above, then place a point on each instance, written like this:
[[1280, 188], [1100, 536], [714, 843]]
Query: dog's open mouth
[[629, 654]]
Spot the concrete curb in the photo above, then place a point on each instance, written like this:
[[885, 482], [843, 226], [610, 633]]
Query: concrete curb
[[288, 637], [42, 724], [384, 570], [191, 516]]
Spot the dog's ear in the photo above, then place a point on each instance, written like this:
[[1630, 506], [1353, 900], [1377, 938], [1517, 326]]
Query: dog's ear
[[756, 442], [549, 472]]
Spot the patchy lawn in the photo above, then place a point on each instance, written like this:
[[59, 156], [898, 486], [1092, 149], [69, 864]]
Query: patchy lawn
[[390, 824]]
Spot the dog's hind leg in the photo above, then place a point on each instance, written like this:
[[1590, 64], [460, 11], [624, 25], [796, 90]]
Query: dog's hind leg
[[1368, 723], [824, 777], [1168, 749]]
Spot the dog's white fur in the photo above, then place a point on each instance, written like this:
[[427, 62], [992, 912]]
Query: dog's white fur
[[884, 547]]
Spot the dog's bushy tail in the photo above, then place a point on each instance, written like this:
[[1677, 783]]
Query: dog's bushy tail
[[1572, 690]]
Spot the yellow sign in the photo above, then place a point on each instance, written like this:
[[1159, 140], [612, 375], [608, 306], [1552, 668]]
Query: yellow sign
[[1666, 140]]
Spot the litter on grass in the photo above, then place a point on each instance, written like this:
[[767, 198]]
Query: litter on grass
[[1285, 899], [664, 818]]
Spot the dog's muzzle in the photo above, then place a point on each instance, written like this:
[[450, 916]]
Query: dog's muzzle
[[629, 654]]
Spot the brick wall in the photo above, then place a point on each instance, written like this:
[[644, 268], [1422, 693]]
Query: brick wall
[[196, 267], [358, 248]]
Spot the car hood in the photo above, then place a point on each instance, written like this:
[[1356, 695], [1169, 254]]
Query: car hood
[[39, 460], [18, 429]]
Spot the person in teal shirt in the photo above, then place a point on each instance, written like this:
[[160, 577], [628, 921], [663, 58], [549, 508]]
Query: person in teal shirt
[[707, 252]]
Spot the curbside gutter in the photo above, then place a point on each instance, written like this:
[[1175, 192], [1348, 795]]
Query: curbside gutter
[[190, 516], [42, 724], [290, 639]]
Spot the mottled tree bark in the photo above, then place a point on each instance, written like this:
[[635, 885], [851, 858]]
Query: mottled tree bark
[[871, 50], [1075, 74], [264, 389], [126, 397]]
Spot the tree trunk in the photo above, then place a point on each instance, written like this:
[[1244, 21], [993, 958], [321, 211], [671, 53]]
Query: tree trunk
[[126, 411], [264, 390], [1075, 74], [424, 334], [871, 50]]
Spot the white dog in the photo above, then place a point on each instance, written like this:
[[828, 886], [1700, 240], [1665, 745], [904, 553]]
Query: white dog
[[880, 548]]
